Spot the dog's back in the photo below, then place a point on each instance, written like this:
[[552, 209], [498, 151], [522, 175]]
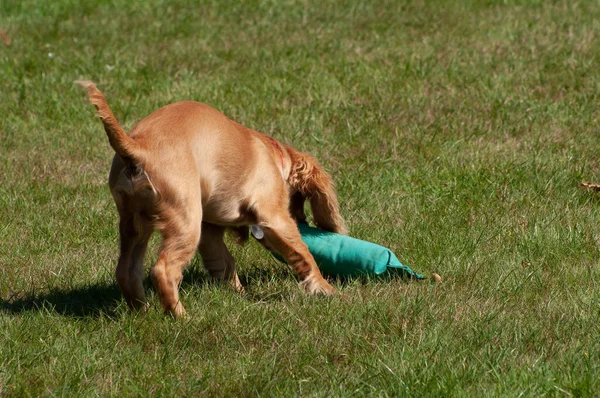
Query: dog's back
[[190, 147]]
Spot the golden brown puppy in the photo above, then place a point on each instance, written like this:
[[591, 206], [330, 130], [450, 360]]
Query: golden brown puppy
[[190, 172]]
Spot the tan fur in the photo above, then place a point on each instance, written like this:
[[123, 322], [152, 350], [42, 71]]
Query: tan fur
[[189, 172], [595, 187]]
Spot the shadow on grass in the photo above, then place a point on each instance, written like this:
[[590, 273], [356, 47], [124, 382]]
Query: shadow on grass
[[104, 298], [86, 301], [101, 298], [251, 278]]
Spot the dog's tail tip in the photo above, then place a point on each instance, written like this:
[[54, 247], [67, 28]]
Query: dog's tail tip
[[87, 85], [94, 94], [84, 83]]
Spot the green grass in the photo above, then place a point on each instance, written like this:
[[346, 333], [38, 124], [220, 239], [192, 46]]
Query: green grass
[[457, 133]]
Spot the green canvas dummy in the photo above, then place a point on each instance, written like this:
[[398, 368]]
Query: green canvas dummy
[[341, 255]]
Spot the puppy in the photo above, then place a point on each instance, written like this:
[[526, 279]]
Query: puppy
[[189, 172]]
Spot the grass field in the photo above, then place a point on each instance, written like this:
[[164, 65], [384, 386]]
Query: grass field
[[457, 133]]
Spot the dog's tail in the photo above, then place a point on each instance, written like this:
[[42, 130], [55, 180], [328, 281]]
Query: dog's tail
[[311, 181], [123, 145]]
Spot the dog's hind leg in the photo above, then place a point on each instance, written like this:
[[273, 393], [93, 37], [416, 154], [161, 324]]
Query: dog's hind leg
[[282, 235], [217, 260], [130, 268], [181, 235], [136, 269]]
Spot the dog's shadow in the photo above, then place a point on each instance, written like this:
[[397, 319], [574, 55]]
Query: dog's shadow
[[104, 298], [86, 301]]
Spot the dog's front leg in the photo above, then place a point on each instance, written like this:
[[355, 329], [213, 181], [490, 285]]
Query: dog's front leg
[[297, 207], [282, 235], [216, 258]]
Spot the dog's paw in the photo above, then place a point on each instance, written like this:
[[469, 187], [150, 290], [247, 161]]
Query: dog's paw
[[318, 285], [138, 304], [178, 312]]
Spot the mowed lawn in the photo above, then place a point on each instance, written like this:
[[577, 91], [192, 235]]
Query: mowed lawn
[[457, 134]]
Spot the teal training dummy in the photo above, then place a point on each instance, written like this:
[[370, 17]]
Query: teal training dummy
[[341, 255]]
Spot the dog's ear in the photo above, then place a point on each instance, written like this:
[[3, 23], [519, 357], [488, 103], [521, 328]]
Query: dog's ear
[[308, 179]]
